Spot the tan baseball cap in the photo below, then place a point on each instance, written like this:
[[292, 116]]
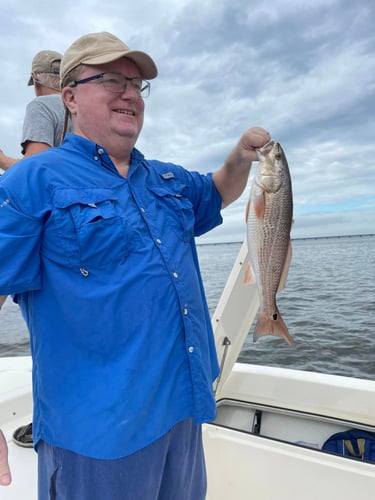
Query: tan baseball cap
[[102, 48], [43, 62]]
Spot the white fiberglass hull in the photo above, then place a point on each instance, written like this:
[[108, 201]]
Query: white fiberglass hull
[[16, 410], [295, 406], [271, 424]]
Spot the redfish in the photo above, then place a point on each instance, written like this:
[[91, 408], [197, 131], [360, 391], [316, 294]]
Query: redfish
[[269, 217]]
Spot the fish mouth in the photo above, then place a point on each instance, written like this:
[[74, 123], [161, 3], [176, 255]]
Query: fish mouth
[[265, 149]]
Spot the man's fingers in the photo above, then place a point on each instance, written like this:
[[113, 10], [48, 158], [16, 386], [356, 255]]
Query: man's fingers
[[5, 476], [255, 138]]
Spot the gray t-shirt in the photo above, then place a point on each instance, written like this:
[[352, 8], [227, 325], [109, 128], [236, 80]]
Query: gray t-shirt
[[44, 121]]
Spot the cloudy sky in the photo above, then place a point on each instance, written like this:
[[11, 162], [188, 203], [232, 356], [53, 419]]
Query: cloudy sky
[[303, 70]]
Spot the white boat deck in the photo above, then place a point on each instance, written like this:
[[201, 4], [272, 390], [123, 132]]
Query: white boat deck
[[239, 464], [15, 410]]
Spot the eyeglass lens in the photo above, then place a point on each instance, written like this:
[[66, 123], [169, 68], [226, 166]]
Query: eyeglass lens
[[117, 84]]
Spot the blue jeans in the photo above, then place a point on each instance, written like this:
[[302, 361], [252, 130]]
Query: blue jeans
[[170, 468]]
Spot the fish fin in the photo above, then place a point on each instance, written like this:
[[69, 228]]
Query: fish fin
[[249, 277], [285, 271], [259, 204], [270, 326]]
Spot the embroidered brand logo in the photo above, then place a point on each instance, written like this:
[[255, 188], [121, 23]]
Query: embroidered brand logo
[[168, 175]]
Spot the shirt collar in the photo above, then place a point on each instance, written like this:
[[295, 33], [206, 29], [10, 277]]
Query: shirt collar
[[92, 149]]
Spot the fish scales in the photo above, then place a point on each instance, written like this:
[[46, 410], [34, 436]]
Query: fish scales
[[269, 221]]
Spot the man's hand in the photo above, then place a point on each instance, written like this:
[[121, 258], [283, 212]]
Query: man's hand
[[3, 298], [5, 476], [253, 139], [230, 180], [6, 161]]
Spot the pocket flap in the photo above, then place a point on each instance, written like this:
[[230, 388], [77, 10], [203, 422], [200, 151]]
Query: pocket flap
[[64, 198], [174, 190]]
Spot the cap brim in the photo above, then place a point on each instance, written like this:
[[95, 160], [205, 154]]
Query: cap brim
[[31, 81]]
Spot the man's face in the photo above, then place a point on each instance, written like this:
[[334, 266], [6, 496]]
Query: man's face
[[101, 115]]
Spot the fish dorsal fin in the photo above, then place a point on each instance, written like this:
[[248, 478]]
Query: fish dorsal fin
[[285, 270]]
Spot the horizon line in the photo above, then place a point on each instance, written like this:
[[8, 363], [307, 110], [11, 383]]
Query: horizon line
[[294, 239]]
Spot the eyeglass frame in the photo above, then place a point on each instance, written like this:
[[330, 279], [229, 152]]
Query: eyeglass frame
[[146, 84]]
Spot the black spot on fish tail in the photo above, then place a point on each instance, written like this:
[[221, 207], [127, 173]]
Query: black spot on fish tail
[[274, 317]]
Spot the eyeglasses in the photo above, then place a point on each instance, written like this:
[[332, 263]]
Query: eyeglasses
[[116, 83]]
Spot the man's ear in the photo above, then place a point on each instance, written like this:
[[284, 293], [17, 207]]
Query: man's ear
[[68, 97]]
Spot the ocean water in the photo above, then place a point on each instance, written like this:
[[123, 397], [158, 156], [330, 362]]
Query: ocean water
[[328, 304]]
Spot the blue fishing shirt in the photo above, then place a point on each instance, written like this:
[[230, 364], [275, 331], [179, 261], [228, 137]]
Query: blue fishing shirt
[[106, 274]]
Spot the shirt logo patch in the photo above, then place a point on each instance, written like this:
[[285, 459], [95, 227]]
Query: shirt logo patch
[[168, 175]]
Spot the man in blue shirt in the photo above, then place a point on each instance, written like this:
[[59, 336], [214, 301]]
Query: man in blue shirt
[[102, 261]]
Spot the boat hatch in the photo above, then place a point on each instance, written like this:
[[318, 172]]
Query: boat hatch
[[282, 424]]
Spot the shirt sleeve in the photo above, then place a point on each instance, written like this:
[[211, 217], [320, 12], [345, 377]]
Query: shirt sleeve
[[19, 248], [208, 207], [205, 199], [38, 125]]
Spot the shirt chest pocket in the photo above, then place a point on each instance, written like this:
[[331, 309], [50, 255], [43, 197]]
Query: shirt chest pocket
[[177, 208], [91, 227]]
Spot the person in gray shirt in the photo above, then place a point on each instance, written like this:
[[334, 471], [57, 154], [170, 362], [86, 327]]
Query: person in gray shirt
[[44, 118]]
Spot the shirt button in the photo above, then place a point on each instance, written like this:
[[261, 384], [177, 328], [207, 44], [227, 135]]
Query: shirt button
[[185, 311], [143, 210], [100, 151], [175, 275], [96, 158], [191, 349], [84, 272], [158, 241]]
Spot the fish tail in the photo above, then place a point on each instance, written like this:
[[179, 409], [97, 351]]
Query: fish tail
[[272, 326]]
